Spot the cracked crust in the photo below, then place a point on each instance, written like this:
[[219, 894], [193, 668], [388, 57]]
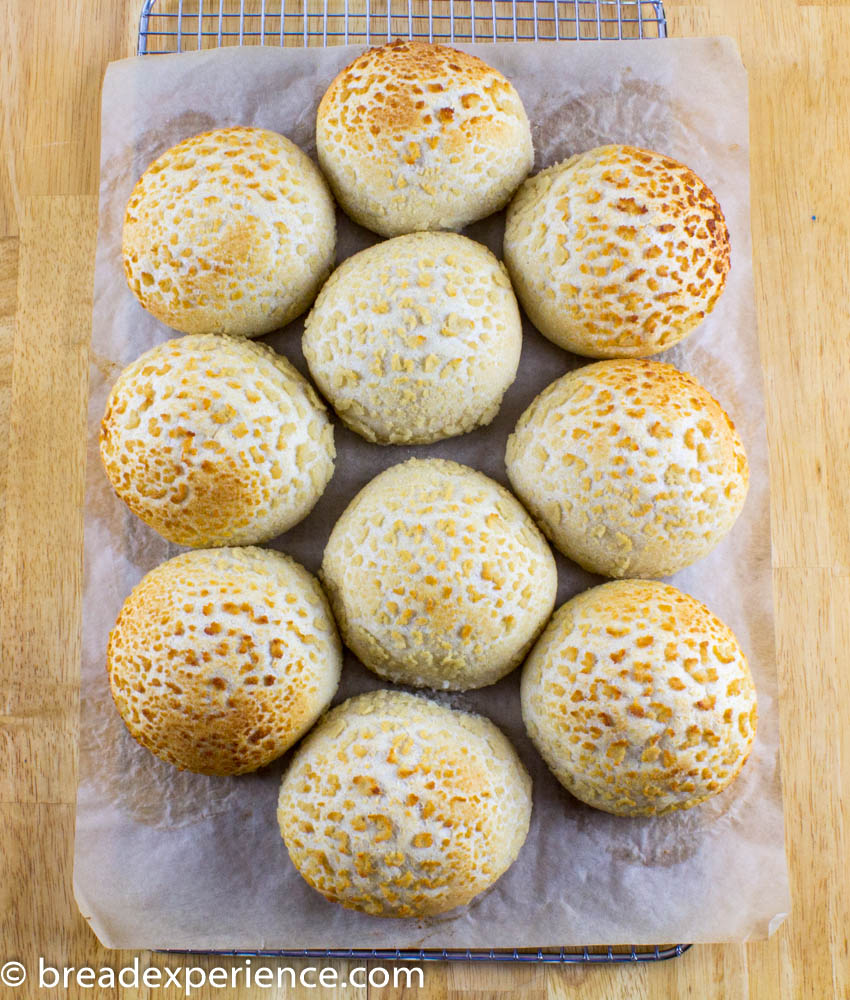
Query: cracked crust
[[415, 339], [399, 807], [416, 136], [438, 577], [616, 252], [216, 441], [221, 659], [639, 699], [232, 231], [630, 467]]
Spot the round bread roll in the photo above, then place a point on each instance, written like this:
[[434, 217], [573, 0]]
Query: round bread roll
[[399, 807], [437, 576], [231, 231], [216, 441], [415, 136], [221, 659], [639, 699], [415, 339], [616, 252], [630, 467]]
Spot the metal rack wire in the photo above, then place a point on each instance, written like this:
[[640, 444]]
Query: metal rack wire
[[590, 955], [188, 25]]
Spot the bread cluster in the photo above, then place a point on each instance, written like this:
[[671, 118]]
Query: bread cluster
[[638, 698], [400, 807]]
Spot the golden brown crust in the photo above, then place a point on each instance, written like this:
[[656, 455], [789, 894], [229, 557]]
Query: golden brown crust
[[400, 807], [639, 699], [216, 441], [630, 467], [415, 136], [438, 577], [617, 252], [231, 231], [415, 339], [221, 659]]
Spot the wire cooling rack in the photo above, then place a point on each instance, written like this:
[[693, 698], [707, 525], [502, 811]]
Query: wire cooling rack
[[188, 25]]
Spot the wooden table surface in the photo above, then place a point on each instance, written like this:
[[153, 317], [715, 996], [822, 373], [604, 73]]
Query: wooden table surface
[[52, 58]]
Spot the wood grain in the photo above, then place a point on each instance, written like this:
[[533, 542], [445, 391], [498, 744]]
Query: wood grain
[[798, 56]]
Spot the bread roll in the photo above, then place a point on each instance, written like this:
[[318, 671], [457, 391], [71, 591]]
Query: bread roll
[[630, 467], [216, 441], [438, 577], [616, 252], [415, 136], [221, 659], [231, 231], [415, 339], [399, 807], [639, 699]]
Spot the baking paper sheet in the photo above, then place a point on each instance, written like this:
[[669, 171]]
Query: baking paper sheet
[[175, 860]]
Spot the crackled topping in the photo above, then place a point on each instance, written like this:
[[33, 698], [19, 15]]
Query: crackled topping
[[639, 699], [231, 231], [416, 136], [438, 577], [221, 659], [399, 807], [216, 441], [416, 338], [617, 252], [631, 467]]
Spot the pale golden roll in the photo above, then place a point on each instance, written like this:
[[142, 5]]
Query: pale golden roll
[[630, 467], [415, 136], [616, 252], [639, 699], [222, 658], [415, 339], [216, 441], [438, 577], [231, 231], [399, 807]]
